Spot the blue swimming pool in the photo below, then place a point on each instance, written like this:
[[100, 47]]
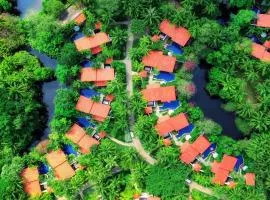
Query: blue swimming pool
[[209, 150], [175, 49], [84, 122], [239, 164], [89, 92], [186, 130], [170, 105], [68, 149], [43, 168], [77, 36], [87, 63], [165, 76]]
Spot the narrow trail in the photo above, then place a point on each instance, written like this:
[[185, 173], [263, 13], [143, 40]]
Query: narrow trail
[[136, 141], [120, 142], [196, 186]]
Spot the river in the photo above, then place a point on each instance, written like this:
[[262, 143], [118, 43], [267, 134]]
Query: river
[[211, 106], [28, 7]]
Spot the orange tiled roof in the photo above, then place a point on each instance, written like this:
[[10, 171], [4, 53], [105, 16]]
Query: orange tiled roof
[[263, 20], [98, 25], [197, 167], [102, 134], [232, 184], [221, 176], [179, 35], [267, 44], [86, 143], [64, 171], [160, 61], [87, 43], [96, 50], [109, 61], [32, 188], [84, 104], [228, 163], [75, 133], [56, 158], [109, 97], [80, 19], [155, 38], [97, 75], [175, 123], [163, 94], [215, 167], [98, 110], [189, 155], [201, 144], [143, 74], [167, 142], [250, 179], [153, 198], [101, 83], [148, 110], [260, 52], [30, 174]]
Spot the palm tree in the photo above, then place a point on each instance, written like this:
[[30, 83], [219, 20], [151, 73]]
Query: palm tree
[[151, 17], [260, 121], [119, 36]]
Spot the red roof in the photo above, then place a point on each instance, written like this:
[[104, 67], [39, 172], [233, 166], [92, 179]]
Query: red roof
[[163, 94], [189, 155], [64, 171], [155, 38], [228, 163], [30, 174], [98, 110], [201, 144], [260, 52], [76, 133], [102, 134], [215, 167], [221, 176], [250, 179], [87, 43], [232, 184], [80, 19], [175, 123], [160, 61], [32, 188], [96, 50], [86, 143], [267, 44], [109, 61], [263, 20], [179, 35], [98, 25], [148, 110], [143, 74], [97, 75], [167, 142], [56, 158], [197, 167], [109, 97]]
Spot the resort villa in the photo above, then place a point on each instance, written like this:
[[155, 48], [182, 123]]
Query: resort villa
[[92, 43], [156, 59], [100, 77], [98, 110], [263, 20], [59, 163], [179, 35], [30, 177], [79, 136]]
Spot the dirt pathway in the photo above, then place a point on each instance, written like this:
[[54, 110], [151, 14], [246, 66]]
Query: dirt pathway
[[196, 186], [70, 14], [120, 142]]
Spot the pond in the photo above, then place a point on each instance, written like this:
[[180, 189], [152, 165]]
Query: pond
[[211, 106], [28, 7]]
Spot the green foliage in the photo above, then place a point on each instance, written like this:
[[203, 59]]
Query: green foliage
[[119, 37], [11, 35], [45, 35], [243, 18], [69, 55], [5, 5], [138, 27], [53, 7], [197, 195], [65, 74], [242, 125], [241, 3], [173, 178]]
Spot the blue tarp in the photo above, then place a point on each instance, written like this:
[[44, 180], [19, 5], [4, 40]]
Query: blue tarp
[[175, 49], [165, 76], [68, 149], [77, 36], [43, 169], [185, 130], [84, 122], [209, 150], [239, 163], [170, 105], [87, 63], [88, 92]]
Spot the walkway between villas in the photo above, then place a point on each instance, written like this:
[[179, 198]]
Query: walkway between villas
[[200, 188], [136, 141]]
